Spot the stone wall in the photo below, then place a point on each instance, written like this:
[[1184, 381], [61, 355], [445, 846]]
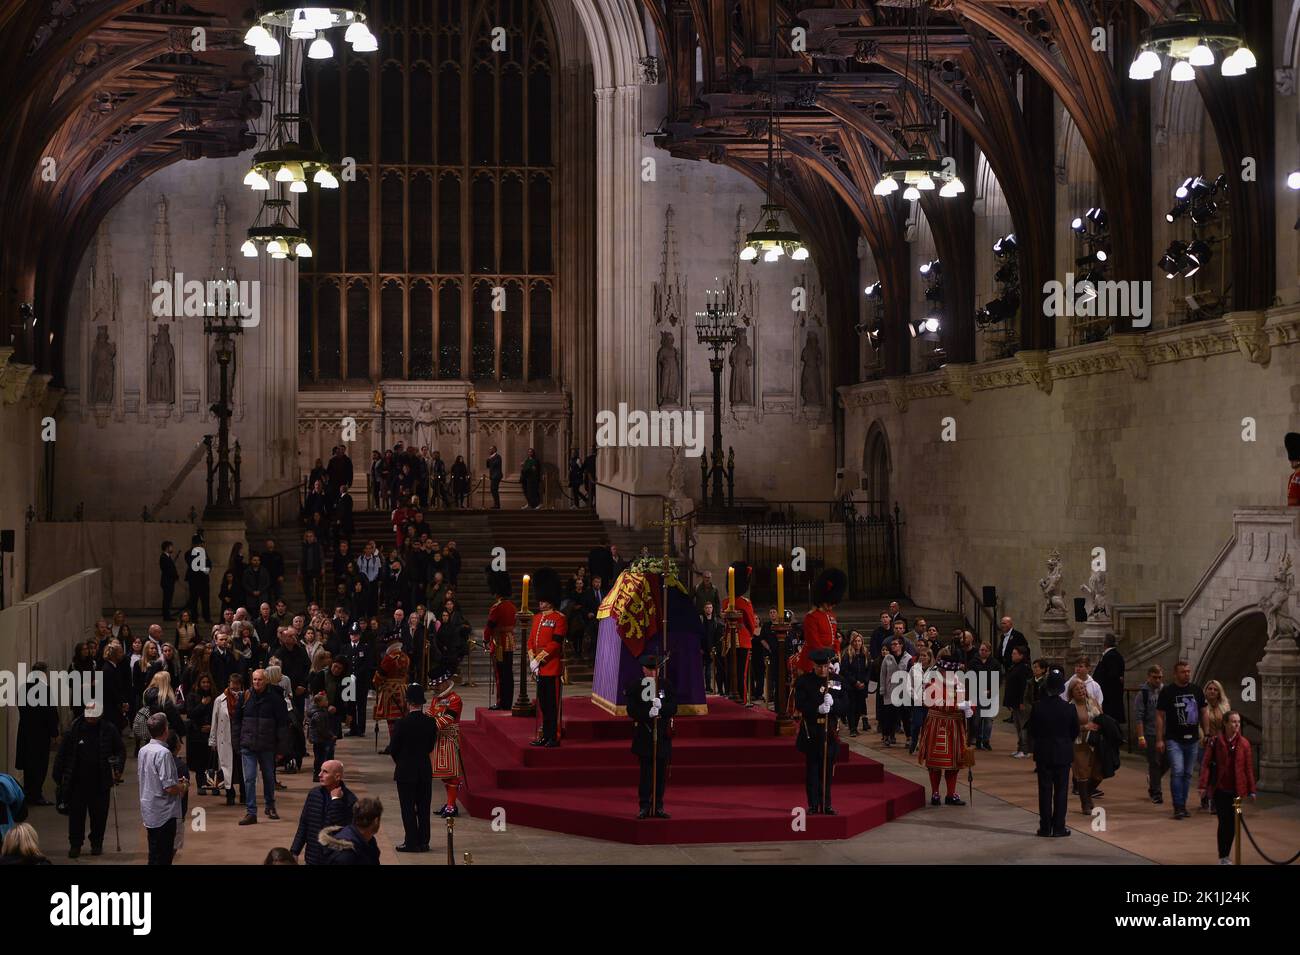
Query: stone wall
[[1137, 447], [118, 455]]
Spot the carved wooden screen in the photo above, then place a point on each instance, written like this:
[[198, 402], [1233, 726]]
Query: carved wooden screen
[[437, 261]]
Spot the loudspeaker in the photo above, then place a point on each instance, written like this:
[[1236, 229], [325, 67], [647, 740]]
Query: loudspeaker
[[6, 542], [1081, 609], [990, 596]]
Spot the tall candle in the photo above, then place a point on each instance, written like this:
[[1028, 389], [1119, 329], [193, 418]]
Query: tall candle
[[731, 587], [523, 604], [780, 593]]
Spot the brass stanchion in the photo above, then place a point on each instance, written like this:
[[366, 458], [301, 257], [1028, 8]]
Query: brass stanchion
[[451, 840], [523, 705], [785, 724], [1236, 825]]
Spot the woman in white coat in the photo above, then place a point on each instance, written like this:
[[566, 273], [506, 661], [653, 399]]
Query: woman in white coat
[[225, 730]]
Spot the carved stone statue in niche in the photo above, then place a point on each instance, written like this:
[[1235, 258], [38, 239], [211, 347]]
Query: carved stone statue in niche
[[742, 371], [810, 382], [162, 368], [426, 425], [669, 365], [103, 368], [214, 372]]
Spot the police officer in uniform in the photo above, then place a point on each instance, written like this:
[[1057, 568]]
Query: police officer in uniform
[[652, 705], [822, 704]]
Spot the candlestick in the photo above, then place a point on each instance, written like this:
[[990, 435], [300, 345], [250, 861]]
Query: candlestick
[[523, 600], [731, 585], [780, 592]]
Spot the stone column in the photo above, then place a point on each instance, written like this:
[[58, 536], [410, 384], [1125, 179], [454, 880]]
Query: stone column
[[1279, 695], [270, 352], [573, 337], [622, 350]]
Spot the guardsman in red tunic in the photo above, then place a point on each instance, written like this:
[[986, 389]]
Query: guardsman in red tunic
[[500, 635], [445, 709], [820, 629], [546, 653], [745, 628], [1293, 455]]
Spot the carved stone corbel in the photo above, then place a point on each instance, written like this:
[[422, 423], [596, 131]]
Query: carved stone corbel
[[959, 381], [1248, 332], [897, 392], [1034, 362], [37, 386], [13, 381], [1131, 350]]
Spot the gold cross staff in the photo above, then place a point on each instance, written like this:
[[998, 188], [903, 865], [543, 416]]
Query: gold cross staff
[[668, 523]]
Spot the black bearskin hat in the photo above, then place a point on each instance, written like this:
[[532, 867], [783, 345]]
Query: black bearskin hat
[[1293, 446], [829, 587], [744, 573], [600, 563], [546, 585], [498, 582]]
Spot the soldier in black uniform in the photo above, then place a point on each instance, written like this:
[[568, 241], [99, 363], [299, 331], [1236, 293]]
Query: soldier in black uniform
[[652, 704], [820, 699]]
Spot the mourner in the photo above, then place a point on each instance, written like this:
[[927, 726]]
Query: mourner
[[652, 706], [821, 703]]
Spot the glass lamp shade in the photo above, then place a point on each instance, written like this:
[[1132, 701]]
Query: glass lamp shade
[[748, 254], [799, 254], [367, 44], [1201, 55], [320, 49], [1182, 72], [911, 193]]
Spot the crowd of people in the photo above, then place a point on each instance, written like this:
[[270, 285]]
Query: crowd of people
[[255, 693]]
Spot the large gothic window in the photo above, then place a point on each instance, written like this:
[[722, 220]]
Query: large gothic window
[[436, 261]]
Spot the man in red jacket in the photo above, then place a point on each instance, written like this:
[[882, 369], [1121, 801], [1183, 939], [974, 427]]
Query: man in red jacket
[[500, 634], [820, 629], [1227, 773], [546, 654], [745, 628]]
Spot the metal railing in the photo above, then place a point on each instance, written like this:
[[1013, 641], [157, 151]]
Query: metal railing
[[979, 613], [281, 507]]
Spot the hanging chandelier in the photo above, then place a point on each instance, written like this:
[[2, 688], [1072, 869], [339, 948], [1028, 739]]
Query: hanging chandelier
[[281, 237], [282, 157], [309, 23], [918, 172], [772, 239], [1191, 42]]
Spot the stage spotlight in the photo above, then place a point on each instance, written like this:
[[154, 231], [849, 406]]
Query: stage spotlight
[[1178, 211], [931, 324], [1199, 252], [1293, 180], [934, 293], [1077, 224], [1102, 252], [1005, 274], [872, 290], [1204, 212], [1175, 259], [927, 267], [1097, 216]]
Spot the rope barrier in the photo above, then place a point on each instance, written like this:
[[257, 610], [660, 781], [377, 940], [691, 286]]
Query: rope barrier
[[1242, 826]]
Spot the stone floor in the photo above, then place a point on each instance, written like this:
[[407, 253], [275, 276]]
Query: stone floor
[[998, 826]]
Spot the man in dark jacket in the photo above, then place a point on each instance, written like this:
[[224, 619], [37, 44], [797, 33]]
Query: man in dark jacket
[[38, 727], [1109, 674], [257, 582], [329, 804], [197, 580], [494, 469], [343, 515], [652, 705], [168, 575], [821, 704], [1006, 638], [295, 664], [311, 566], [88, 765], [339, 468], [1053, 724], [273, 561], [1013, 698], [354, 844], [262, 717], [414, 737]]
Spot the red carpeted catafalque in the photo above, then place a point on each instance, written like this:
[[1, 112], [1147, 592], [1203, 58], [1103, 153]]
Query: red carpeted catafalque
[[732, 779]]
